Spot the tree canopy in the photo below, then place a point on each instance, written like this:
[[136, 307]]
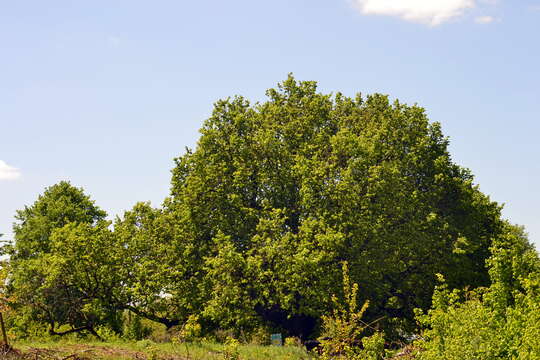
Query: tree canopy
[[277, 194], [261, 216], [40, 257]]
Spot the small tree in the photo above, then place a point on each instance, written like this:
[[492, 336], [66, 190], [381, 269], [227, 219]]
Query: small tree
[[41, 271]]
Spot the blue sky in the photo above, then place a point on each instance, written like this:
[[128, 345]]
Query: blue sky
[[106, 93]]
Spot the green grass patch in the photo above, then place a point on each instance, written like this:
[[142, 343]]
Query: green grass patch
[[149, 350]]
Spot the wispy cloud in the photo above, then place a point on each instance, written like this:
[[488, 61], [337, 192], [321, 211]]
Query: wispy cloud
[[484, 20], [8, 172], [430, 12]]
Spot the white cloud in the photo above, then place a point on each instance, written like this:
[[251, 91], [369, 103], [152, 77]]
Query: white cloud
[[484, 20], [431, 12], [8, 172]]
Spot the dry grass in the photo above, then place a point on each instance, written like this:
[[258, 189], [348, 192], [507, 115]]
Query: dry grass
[[83, 352]]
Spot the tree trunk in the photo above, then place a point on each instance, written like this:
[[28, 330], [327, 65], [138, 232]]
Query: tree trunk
[[5, 344]]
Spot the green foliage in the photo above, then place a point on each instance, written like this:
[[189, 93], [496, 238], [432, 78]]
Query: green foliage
[[54, 240], [153, 266], [21, 325], [373, 347], [190, 331], [133, 328], [293, 341], [278, 193], [261, 215], [262, 336], [344, 329], [513, 259], [59, 205], [460, 331], [107, 334], [499, 322], [231, 351]]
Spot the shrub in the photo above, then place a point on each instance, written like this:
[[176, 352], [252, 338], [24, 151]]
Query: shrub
[[293, 341], [133, 328], [343, 330], [260, 336], [107, 334], [465, 325], [190, 331], [231, 351]]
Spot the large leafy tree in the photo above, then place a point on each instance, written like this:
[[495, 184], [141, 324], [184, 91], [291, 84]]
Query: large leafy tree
[[52, 236], [278, 194]]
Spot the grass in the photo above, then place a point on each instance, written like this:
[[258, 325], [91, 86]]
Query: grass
[[147, 350]]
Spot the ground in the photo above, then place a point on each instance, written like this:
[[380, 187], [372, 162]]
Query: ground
[[144, 350]]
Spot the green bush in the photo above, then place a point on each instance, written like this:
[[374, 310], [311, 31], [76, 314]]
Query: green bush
[[469, 325], [343, 330], [373, 347], [260, 336], [21, 326], [107, 334], [231, 351], [293, 341], [133, 327]]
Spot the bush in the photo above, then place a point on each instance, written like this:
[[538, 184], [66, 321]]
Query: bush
[[293, 341], [373, 347], [260, 336], [133, 328], [22, 327], [159, 332], [343, 330], [222, 335], [107, 334], [231, 351], [465, 325], [190, 331]]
